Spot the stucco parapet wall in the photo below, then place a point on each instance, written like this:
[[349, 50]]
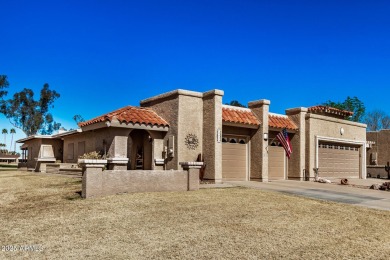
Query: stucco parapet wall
[[259, 103], [214, 92], [335, 120], [296, 110], [171, 94], [182, 92]]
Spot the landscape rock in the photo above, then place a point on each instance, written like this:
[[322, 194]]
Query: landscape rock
[[375, 186]]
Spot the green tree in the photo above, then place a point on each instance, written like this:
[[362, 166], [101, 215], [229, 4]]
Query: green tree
[[29, 115], [235, 103], [78, 119], [354, 105], [12, 132], [3, 85]]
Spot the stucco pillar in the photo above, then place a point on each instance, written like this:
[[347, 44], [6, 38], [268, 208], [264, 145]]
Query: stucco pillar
[[296, 164], [92, 181], [158, 160], [259, 152], [212, 127], [117, 155], [192, 169]]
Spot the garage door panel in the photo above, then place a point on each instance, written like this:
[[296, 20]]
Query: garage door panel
[[340, 163], [234, 161], [276, 163]]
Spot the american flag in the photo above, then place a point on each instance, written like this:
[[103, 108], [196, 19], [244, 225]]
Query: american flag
[[285, 141]]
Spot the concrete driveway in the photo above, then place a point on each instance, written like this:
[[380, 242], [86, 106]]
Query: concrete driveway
[[331, 192]]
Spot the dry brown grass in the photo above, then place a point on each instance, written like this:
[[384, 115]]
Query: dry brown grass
[[233, 223]]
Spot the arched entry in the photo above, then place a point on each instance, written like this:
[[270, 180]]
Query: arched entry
[[139, 150]]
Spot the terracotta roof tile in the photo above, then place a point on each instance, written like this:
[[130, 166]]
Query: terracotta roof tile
[[280, 121], [130, 114], [239, 115], [330, 110]]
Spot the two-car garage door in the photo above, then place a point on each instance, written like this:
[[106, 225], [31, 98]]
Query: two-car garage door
[[338, 160]]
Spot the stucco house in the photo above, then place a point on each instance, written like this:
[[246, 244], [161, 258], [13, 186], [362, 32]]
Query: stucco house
[[235, 143], [378, 153]]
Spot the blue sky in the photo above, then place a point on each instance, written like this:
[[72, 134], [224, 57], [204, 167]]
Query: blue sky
[[103, 55]]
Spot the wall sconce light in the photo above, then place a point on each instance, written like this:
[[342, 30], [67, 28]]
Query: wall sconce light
[[341, 131], [265, 136]]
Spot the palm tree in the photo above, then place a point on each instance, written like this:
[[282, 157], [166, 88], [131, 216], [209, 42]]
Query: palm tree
[[1, 150], [12, 132], [5, 132]]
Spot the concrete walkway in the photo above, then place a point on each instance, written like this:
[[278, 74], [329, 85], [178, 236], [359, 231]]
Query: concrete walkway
[[331, 192]]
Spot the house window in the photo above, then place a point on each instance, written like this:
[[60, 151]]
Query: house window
[[70, 151], [80, 148]]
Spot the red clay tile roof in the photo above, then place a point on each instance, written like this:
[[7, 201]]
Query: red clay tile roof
[[239, 115], [279, 121], [130, 114], [330, 110]]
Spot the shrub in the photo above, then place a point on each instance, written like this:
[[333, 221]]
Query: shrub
[[91, 155]]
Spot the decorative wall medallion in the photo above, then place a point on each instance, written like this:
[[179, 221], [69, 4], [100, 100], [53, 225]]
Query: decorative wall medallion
[[191, 141]]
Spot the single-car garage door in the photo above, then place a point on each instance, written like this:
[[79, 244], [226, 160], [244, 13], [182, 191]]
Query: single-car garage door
[[276, 163], [234, 158], [338, 160]]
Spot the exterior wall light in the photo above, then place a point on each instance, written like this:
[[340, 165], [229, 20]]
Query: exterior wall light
[[265, 136], [341, 131]]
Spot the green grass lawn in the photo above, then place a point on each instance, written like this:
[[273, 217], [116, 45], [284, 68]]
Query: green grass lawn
[[231, 223]]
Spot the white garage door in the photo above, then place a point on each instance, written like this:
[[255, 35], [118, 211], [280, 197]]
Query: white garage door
[[276, 163], [234, 159], [338, 160]]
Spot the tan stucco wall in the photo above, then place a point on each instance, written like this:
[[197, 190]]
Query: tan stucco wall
[[258, 147], [94, 142], [212, 123], [35, 144], [168, 108], [297, 161], [190, 122], [194, 113], [102, 183], [381, 146], [318, 125], [374, 136]]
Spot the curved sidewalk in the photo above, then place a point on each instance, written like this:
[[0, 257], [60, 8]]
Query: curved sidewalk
[[338, 193]]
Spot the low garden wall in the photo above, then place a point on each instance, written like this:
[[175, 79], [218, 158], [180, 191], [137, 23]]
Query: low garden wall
[[97, 182], [375, 171], [57, 167]]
